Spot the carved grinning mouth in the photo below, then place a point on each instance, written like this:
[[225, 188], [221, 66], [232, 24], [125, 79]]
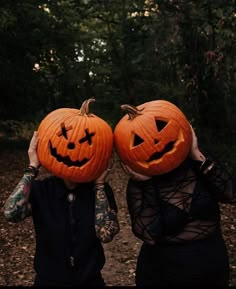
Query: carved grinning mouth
[[158, 155], [66, 160]]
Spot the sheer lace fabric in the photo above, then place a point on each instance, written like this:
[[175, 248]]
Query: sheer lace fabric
[[179, 206]]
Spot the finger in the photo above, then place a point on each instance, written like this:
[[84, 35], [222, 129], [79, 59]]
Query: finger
[[126, 169], [34, 141]]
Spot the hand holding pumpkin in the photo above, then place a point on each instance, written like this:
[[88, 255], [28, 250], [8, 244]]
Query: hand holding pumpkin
[[32, 151], [134, 175], [195, 153]]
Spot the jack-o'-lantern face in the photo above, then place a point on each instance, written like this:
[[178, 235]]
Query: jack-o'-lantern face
[[71, 145], [153, 138], [74, 144]]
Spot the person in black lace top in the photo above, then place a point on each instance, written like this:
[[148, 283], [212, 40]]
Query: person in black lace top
[[177, 216]]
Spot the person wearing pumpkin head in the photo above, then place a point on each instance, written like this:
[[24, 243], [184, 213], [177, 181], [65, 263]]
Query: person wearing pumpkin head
[[173, 197], [74, 210]]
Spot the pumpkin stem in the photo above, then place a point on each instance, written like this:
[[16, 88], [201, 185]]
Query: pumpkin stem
[[132, 111], [84, 110]]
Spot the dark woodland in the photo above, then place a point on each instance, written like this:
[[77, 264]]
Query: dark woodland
[[59, 53]]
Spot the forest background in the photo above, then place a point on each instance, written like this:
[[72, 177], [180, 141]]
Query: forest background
[[58, 53]]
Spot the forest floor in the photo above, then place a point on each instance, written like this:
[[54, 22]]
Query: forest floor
[[17, 241]]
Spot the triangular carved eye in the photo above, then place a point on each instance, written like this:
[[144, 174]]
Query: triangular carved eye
[[160, 124], [137, 140]]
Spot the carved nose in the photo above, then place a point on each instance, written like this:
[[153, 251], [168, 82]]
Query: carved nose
[[71, 146], [155, 141]]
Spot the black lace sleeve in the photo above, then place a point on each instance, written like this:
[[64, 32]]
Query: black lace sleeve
[[219, 180], [143, 206]]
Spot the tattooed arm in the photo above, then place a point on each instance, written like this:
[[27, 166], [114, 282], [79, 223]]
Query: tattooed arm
[[106, 221], [17, 206]]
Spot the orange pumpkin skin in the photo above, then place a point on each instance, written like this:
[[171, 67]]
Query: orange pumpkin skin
[[74, 144], [153, 138]]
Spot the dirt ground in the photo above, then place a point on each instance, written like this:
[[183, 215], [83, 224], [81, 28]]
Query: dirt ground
[[17, 240]]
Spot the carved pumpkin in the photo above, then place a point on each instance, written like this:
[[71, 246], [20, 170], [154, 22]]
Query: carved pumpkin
[[75, 144], [153, 138]]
